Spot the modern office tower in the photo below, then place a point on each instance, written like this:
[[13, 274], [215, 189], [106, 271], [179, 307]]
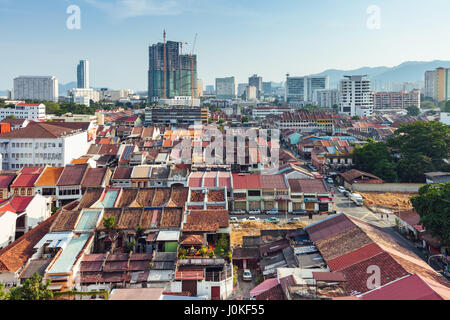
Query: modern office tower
[[36, 88], [267, 88], [171, 73], [429, 84], [442, 84], [326, 98], [251, 93], [225, 88], [396, 100], [241, 89], [256, 82], [83, 75], [355, 96], [300, 90]]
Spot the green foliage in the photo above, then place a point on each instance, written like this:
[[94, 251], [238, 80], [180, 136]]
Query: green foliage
[[109, 223], [235, 275], [356, 118], [244, 119], [433, 205], [60, 109], [3, 294], [415, 149], [131, 245], [222, 246], [413, 110], [203, 251], [32, 289]]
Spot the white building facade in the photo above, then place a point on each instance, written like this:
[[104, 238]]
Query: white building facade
[[36, 88], [29, 111], [356, 97]]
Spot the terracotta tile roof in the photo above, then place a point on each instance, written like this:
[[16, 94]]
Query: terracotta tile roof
[[127, 196], [109, 149], [72, 175], [122, 173], [354, 257], [150, 219], [94, 177], [275, 181], [79, 161], [91, 196], [246, 181], [409, 288], [357, 275], [15, 255], [6, 179], [130, 218], [192, 240], [162, 196], [206, 220], [359, 176], [38, 130], [274, 293], [178, 197], [171, 217], [144, 198], [19, 204], [329, 227], [108, 213], [342, 243], [65, 221], [50, 176], [94, 149], [307, 186]]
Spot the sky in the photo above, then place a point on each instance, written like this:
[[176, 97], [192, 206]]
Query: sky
[[234, 38]]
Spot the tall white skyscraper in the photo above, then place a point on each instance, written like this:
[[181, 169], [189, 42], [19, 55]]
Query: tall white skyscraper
[[83, 74], [300, 90], [36, 88], [356, 97]]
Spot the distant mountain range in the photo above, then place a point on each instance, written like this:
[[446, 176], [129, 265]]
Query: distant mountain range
[[68, 86], [410, 71]]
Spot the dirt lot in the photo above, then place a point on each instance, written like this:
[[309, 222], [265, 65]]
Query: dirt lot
[[395, 201], [252, 228]]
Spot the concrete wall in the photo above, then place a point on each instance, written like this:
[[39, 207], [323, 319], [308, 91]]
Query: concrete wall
[[387, 187]]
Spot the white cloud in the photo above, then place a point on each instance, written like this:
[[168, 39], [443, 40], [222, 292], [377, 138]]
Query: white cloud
[[124, 9]]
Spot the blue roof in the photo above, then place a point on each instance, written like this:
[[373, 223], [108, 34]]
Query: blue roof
[[88, 220], [68, 257]]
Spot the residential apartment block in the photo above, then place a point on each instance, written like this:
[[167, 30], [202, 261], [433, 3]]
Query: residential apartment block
[[28, 111], [396, 100], [36, 88]]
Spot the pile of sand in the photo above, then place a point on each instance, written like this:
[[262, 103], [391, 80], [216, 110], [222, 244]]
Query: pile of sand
[[394, 201]]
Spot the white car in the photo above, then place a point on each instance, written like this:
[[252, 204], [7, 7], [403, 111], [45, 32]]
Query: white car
[[272, 211], [255, 211], [234, 220], [330, 181], [341, 189], [252, 219], [247, 275]]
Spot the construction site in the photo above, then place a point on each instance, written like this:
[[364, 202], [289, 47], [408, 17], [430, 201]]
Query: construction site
[[387, 201]]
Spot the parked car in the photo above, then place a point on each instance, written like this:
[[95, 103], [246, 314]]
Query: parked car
[[341, 189], [272, 211], [252, 219], [255, 211], [300, 212], [234, 220], [238, 212], [247, 275], [346, 193], [293, 220], [330, 181], [272, 220]]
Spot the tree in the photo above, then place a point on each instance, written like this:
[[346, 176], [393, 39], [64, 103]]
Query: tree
[[433, 206], [244, 119], [413, 110], [3, 294], [111, 228], [32, 289], [356, 118], [375, 157]]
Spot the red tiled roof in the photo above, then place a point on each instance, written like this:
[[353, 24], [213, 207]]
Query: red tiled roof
[[25, 180], [358, 274], [354, 257], [38, 130], [246, 181], [329, 227], [72, 175], [409, 288], [6, 179], [307, 185], [15, 255], [273, 181], [94, 177]]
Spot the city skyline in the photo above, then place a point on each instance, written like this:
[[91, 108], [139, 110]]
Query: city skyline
[[246, 40]]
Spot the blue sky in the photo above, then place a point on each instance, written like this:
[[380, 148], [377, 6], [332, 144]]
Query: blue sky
[[235, 38]]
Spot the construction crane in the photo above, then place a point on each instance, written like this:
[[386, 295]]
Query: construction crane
[[192, 70]]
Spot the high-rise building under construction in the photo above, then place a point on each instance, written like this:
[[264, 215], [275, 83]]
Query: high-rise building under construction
[[171, 73]]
